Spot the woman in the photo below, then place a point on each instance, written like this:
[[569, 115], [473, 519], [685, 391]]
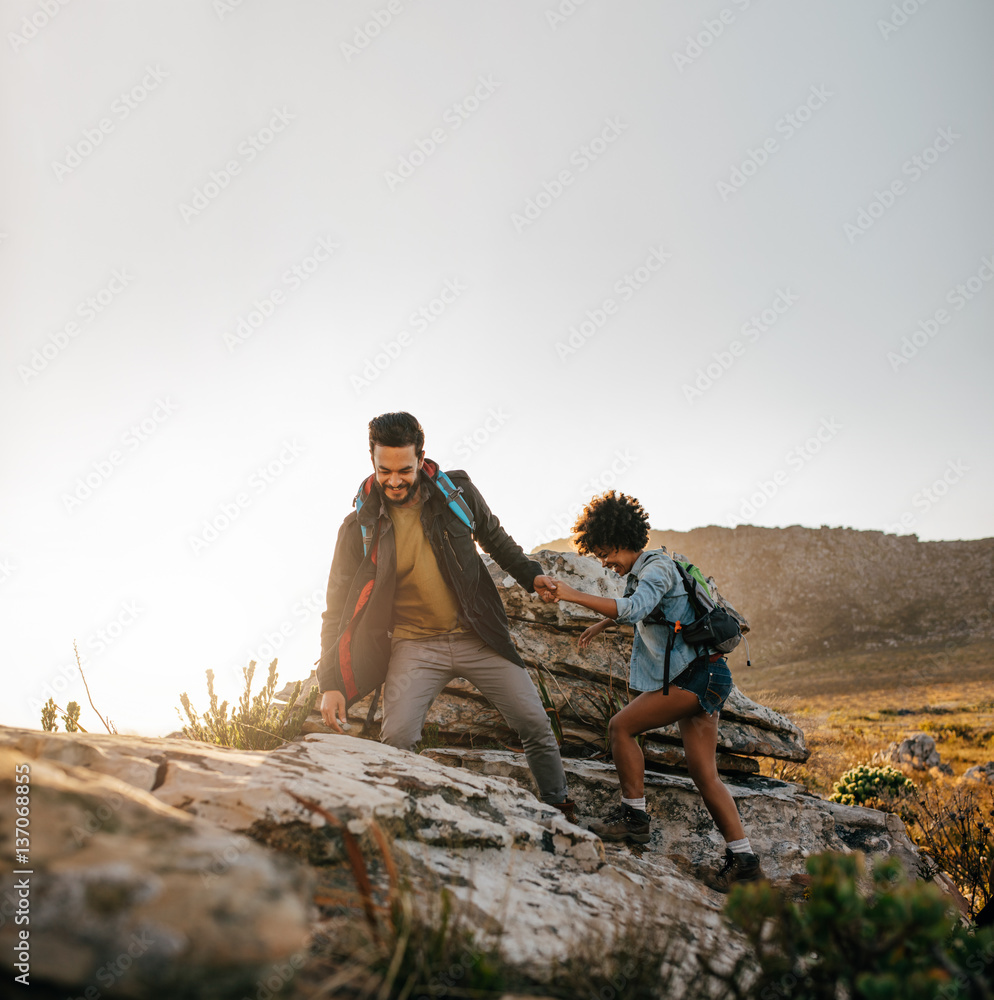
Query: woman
[[615, 529]]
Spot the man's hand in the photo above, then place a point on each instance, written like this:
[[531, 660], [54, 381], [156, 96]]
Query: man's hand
[[333, 709], [545, 587]]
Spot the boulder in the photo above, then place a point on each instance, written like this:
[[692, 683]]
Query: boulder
[[784, 823], [131, 896], [252, 791], [981, 772], [918, 751], [582, 685]]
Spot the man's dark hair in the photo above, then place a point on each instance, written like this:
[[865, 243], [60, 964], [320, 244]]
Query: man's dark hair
[[611, 521], [396, 430]]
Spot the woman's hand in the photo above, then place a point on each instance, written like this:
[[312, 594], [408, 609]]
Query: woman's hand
[[564, 592], [593, 631]]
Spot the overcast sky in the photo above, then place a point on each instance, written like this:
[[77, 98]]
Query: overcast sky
[[732, 258]]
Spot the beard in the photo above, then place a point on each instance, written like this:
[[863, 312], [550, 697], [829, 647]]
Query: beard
[[400, 499]]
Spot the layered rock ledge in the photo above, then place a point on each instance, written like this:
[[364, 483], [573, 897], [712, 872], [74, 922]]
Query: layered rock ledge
[[582, 684], [204, 856]]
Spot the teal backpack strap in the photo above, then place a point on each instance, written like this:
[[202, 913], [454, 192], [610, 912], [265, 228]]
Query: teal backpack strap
[[367, 529], [451, 492]]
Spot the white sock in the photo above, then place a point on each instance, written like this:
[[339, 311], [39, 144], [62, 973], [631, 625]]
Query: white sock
[[739, 846], [635, 803]]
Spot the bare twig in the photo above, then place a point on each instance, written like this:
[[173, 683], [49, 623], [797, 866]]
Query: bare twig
[[113, 732]]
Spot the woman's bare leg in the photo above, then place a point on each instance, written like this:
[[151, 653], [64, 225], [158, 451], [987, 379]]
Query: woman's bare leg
[[649, 710], [700, 741]]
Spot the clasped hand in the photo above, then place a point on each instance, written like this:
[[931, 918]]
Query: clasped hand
[[554, 590]]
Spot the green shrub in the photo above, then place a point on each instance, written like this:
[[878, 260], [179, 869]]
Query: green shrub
[[863, 783], [902, 941], [258, 723]]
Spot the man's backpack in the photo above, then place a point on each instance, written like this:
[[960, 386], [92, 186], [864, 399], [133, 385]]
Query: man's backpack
[[716, 626], [449, 490]]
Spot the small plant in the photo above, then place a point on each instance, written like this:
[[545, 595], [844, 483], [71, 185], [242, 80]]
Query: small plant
[[71, 717], [954, 824], [901, 940], [258, 723], [429, 738], [862, 783], [412, 945], [50, 716], [403, 949]]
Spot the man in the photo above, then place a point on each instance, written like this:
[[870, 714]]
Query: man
[[412, 606]]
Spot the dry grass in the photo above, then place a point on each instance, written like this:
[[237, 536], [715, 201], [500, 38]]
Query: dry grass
[[851, 706]]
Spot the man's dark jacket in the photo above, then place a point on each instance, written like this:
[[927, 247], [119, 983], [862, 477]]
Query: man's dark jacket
[[355, 639]]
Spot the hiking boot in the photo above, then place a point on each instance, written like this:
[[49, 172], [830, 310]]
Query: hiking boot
[[625, 823], [737, 868], [567, 807]]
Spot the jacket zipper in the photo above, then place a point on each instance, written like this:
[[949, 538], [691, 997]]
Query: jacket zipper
[[452, 549]]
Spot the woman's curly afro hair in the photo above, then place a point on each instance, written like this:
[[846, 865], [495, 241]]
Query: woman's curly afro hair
[[611, 521]]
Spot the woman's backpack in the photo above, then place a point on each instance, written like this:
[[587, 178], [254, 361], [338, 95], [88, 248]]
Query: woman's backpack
[[713, 628]]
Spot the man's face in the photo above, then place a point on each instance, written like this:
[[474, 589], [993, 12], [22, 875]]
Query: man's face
[[397, 472]]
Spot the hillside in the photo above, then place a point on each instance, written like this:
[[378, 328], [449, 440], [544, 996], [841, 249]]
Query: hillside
[[815, 592]]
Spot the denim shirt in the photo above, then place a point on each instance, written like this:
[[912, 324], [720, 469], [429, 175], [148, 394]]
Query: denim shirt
[[654, 577]]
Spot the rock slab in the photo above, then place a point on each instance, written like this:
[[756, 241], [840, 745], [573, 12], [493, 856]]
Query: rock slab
[[124, 893]]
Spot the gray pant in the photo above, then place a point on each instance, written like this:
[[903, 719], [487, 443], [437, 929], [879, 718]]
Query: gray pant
[[420, 668]]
